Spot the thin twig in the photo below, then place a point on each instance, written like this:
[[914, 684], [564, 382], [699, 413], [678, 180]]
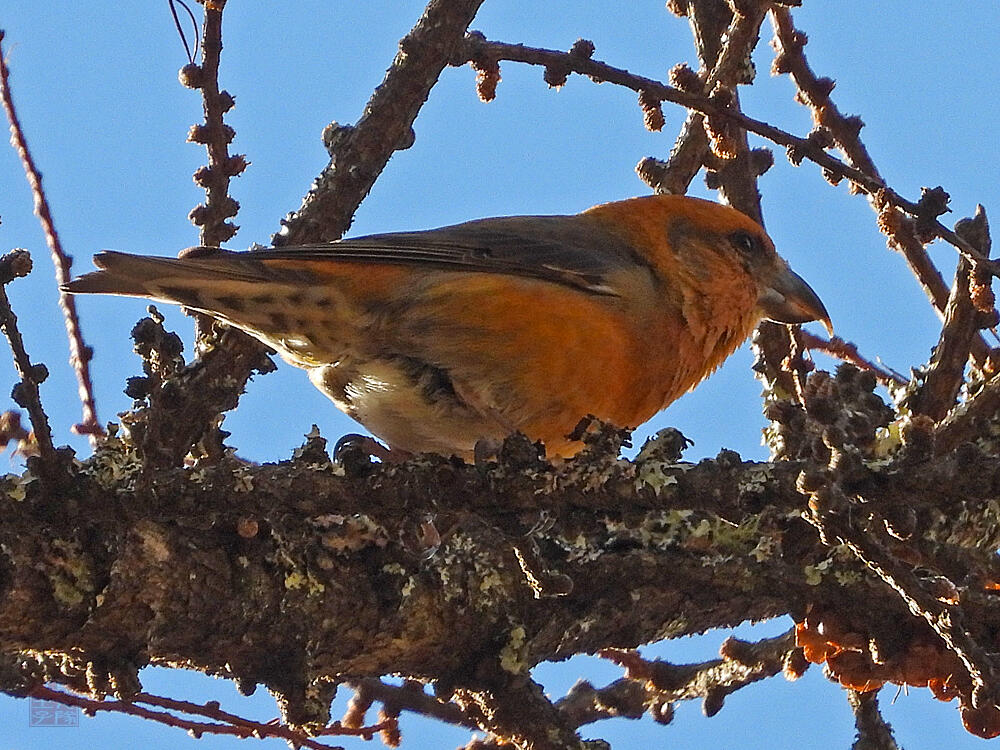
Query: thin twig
[[945, 374], [847, 351], [407, 699], [80, 353], [225, 723], [742, 664], [14, 264], [814, 92], [478, 47], [213, 216], [212, 710], [690, 150]]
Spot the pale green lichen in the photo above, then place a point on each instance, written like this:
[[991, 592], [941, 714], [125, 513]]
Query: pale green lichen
[[115, 463], [766, 548], [756, 479], [491, 580], [658, 475], [295, 580], [64, 591], [14, 487], [888, 439], [814, 573], [70, 574], [512, 654], [398, 570], [298, 580], [242, 480], [848, 577], [671, 528], [463, 567]]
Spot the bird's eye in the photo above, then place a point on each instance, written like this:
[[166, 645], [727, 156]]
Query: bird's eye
[[746, 243]]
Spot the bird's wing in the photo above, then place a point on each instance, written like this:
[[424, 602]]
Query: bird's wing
[[569, 250]]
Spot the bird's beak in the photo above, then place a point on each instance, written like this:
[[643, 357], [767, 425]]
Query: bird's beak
[[789, 299]]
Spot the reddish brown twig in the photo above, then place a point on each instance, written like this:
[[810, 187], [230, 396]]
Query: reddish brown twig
[[814, 92], [406, 698], [742, 664], [223, 722], [726, 67], [80, 353], [11, 430], [800, 148], [847, 351]]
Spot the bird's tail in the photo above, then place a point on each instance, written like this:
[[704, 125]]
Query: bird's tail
[[184, 280]]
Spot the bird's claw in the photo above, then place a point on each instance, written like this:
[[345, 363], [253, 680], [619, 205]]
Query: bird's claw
[[369, 446]]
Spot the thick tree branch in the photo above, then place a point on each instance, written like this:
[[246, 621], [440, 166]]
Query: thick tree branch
[[295, 574]]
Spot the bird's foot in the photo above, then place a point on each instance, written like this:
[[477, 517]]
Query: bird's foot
[[369, 446]]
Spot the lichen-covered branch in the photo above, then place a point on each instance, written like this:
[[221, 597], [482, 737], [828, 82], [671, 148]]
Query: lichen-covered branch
[[299, 573]]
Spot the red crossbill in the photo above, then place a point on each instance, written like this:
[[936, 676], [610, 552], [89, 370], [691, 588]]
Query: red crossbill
[[435, 340]]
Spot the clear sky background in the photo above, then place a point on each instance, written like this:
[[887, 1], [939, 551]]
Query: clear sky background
[[96, 88]]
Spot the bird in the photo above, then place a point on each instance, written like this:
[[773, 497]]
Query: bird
[[444, 339]]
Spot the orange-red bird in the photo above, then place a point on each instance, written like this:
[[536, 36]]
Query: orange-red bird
[[435, 340]]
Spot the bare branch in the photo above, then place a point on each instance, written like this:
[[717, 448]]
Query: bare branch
[[848, 352], [406, 698], [733, 66], [874, 732], [223, 722], [13, 264], [743, 663], [80, 353], [360, 152], [800, 148], [814, 92], [215, 135]]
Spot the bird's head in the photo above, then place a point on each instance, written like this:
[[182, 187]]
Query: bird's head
[[713, 256]]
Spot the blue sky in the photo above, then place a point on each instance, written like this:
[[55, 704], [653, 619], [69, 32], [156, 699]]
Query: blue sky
[[96, 89]]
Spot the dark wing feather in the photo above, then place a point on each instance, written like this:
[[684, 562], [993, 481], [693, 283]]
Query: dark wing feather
[[570, 250]]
